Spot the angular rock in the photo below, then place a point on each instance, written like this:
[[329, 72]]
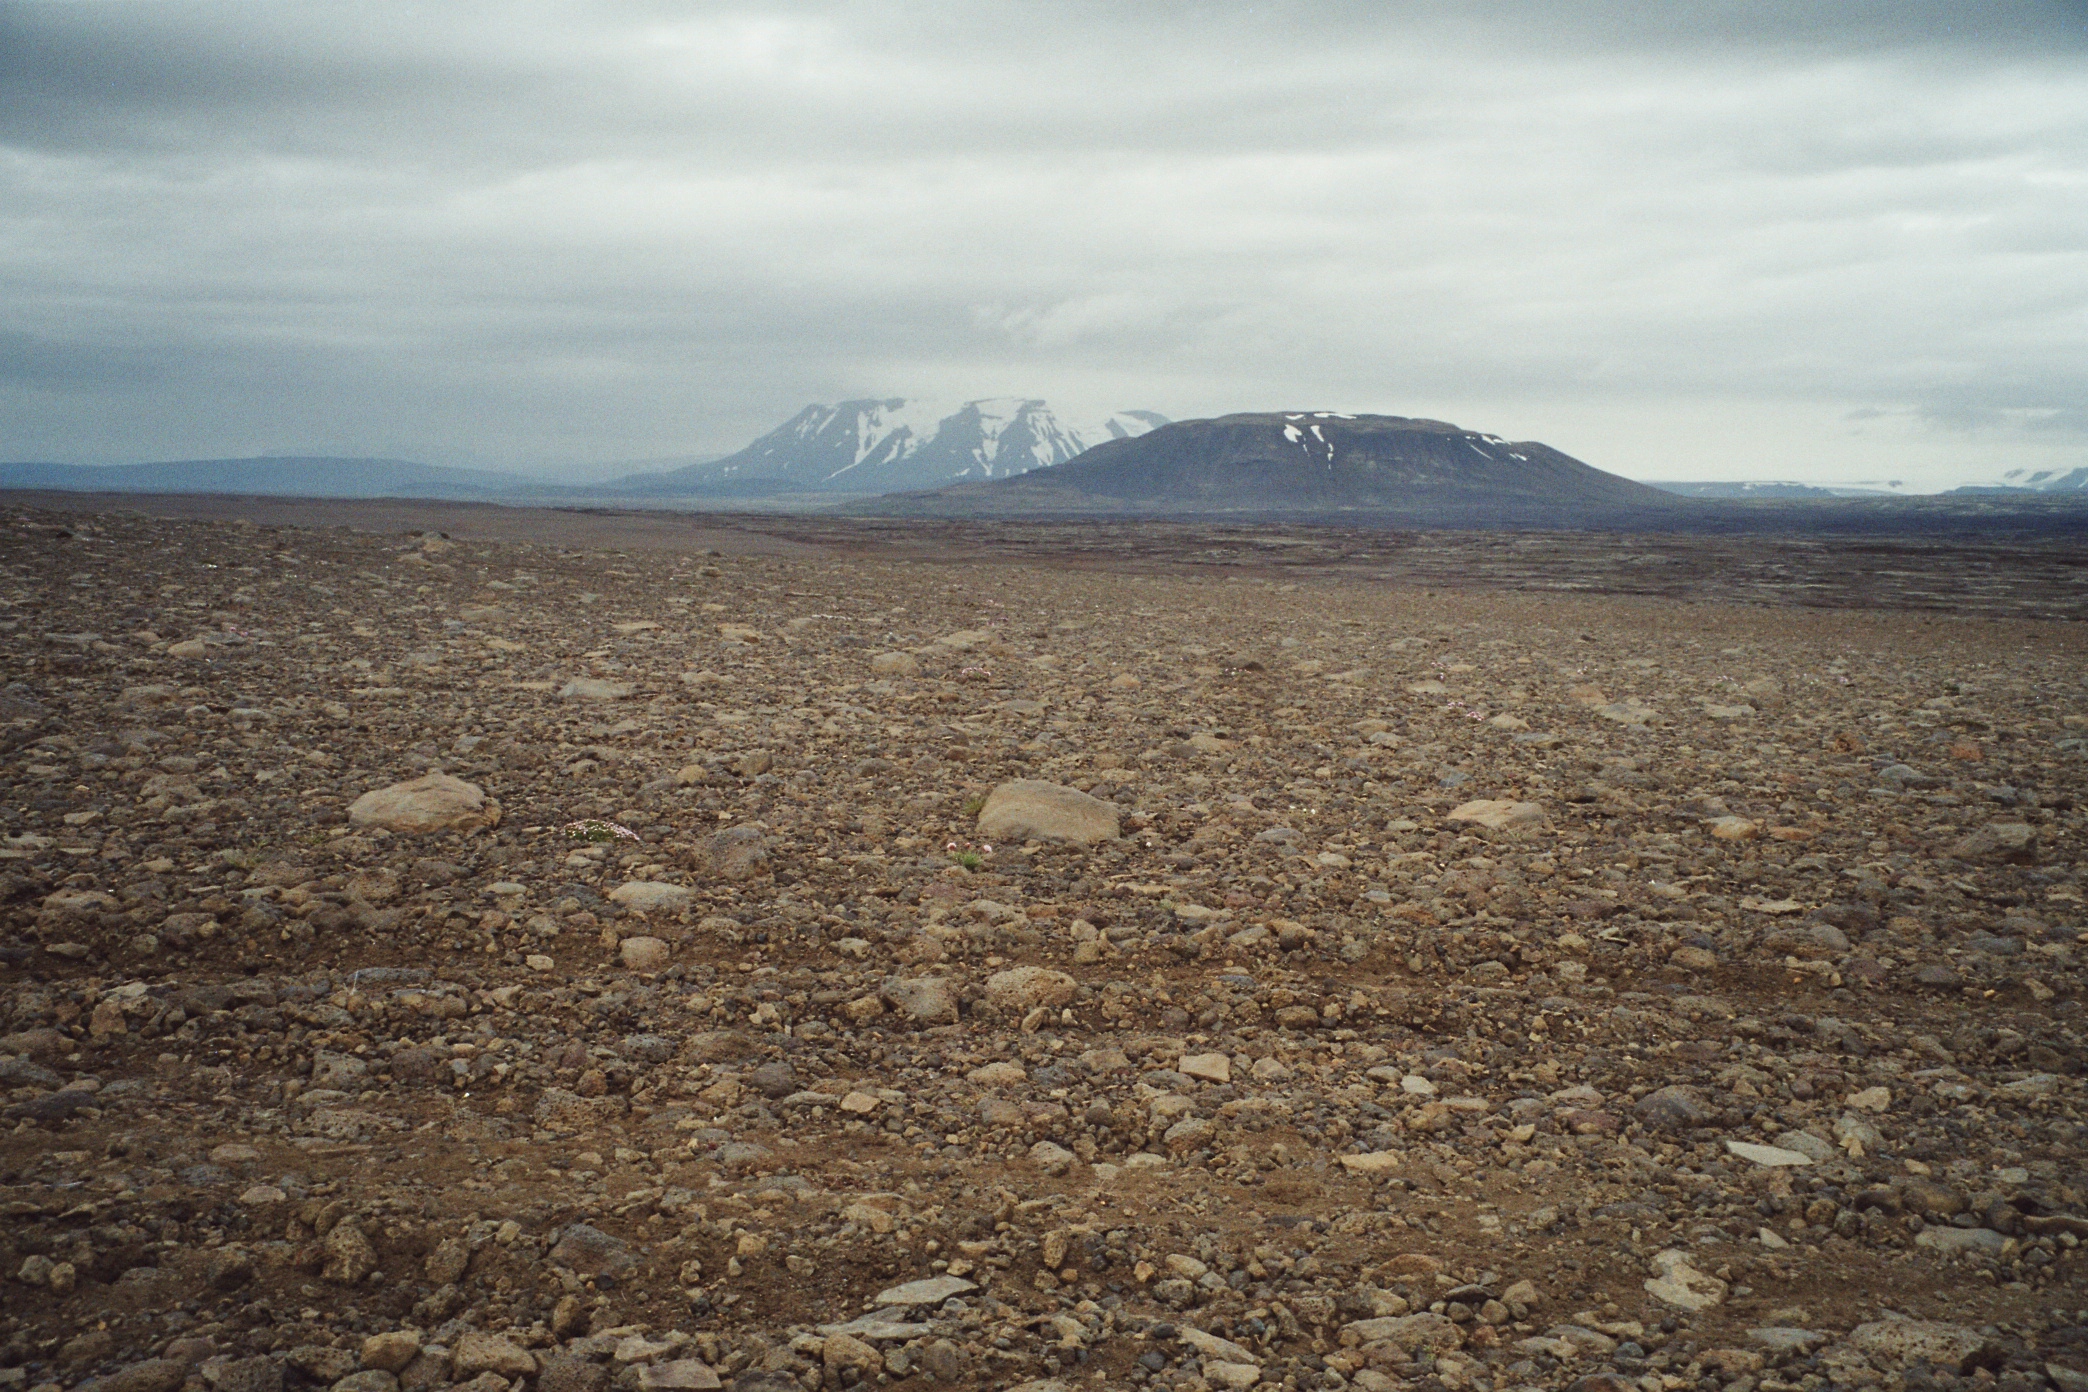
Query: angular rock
[[477, 1352], [737, 853], [1956, 1241], [1211, 1346], [1807, 1144], [923, 1000], [1956, 1348], [932, 1290], [1051, 1158], [1410, 1332], [368, 1380], [349, 1256], [1675, 1282], [676, 1375], [151, 1375], [257, 1374], [740, 1156], [1673, 1108], [587, 1251], [1767, 1154], [843, 1354], [1785, 1342], [1374, 1162], [449, 1261], [562, 1372], [1022, 989], [390, 1352], [1997, 841]]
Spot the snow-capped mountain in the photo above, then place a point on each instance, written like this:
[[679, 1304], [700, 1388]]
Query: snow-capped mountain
[[2035, 481], [885, 446]]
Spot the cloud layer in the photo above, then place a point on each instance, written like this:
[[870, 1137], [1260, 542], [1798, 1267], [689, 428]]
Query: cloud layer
[[1689, 240]]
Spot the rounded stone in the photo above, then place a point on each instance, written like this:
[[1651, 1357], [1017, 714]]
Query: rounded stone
[[435, 802]]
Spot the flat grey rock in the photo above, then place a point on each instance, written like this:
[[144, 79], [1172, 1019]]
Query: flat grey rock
[[932, 1290]]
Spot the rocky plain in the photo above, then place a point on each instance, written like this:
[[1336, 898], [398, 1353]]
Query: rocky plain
[[772, 957]]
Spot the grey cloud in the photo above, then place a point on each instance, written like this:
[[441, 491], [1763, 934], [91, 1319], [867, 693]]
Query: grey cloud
[[647, 229], [27, 361], [1977, 418]]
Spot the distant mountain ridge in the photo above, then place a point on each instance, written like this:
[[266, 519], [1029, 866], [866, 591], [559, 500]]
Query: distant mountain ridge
[[1742, 490], [878, 445], [1305, 462], [2033, 481], [275, 475]]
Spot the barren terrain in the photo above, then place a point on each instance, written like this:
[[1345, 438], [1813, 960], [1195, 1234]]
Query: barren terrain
[[1521, 961]]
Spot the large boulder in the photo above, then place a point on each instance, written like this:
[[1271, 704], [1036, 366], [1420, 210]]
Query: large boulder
[[1027, 809], [434, 802]]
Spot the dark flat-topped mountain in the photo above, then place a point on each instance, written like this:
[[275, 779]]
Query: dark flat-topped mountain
[[1305, 462]]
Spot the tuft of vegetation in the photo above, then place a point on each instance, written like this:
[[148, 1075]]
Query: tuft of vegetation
[[597, 832]]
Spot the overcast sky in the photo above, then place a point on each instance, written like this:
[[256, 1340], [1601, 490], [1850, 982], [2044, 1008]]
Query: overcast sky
[[1819, 240]]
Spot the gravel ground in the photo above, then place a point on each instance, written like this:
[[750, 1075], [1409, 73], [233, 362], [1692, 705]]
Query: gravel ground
[[432, 962]]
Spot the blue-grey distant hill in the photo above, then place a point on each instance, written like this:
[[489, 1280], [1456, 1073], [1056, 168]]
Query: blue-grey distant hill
[[282, 476], [300, 476]]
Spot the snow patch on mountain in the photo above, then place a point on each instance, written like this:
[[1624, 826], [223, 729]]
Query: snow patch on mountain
[[882, 445], [2047, 480]]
